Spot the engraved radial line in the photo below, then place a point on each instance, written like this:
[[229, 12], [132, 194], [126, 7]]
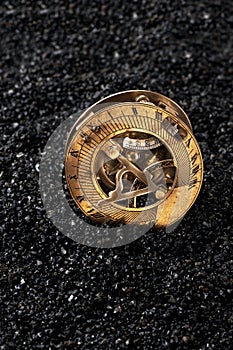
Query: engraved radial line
[[118, 126], [152, 217], [183, 154], [140, 121], [123, 113], [89, 189], [113, 214], [120, 215], [113, 211], [171, 142], [128, 121], [184, 174], [84, 168], [152, 126], [132, 121], [110, 115], [108, 208], [86, 155], [95, 135], [147, 125], [84, 171], [162, 133], [158, 127], [80, 144], [91, 194], [125, 126], [146, 217], [87, 185], [180, 149], [136, 117], [183, 158], [119, 122], [83, 152], [94, 199], [135, 121], [109, 128], [104, 127], [173, 145], [107, 131], [127, 217], [161, 129], [89, 146], [136, 216], [131, 216], [144, 119], [91, 140], [86, 150], [83, 162], [102, 133]]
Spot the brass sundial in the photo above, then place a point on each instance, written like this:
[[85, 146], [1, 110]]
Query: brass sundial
[[132, 158]]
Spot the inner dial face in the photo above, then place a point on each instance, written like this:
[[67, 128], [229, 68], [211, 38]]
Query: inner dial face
[[133, 163], [134, 170]]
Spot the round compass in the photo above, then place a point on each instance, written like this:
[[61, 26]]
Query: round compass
[[132, 158]]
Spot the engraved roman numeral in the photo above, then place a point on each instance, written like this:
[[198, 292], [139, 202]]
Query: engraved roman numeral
[[192, 183], [193, 179], [187, 143], [74, 153], [97, 215], [194, 158], [195, 170], [73, 177], [94, 128], [85, 136], [80, 198]]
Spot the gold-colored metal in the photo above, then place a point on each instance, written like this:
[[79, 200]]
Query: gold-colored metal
[[134, 153]]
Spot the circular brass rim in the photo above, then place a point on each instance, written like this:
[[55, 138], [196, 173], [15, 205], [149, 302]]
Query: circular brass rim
[[113, 101]]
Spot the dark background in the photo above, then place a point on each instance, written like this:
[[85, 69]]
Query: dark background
[[163, 291]]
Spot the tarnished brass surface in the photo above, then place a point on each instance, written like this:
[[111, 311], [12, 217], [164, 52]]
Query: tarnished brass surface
[[131, 153]]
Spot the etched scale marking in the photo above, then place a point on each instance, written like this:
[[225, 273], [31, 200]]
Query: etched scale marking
[[89, 141]]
